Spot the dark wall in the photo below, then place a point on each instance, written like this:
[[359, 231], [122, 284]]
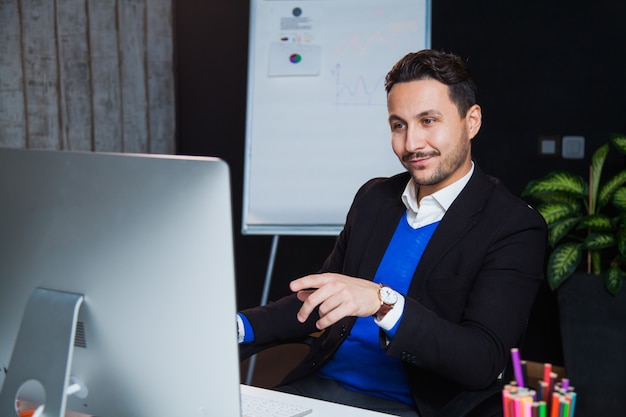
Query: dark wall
[[542, 68]]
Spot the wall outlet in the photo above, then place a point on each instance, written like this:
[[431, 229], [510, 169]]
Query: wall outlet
[[573, 147], [548, 145]]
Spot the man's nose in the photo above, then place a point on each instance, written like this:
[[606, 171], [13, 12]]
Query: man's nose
[[415, 139]]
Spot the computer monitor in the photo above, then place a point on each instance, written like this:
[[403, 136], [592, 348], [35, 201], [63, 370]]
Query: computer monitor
[[138, 253]]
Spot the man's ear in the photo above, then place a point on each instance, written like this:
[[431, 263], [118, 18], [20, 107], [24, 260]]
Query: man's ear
[[474, 119]]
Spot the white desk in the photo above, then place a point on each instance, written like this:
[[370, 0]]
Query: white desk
[[320, 408]]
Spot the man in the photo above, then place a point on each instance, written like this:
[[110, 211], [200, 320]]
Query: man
[[432, 279]]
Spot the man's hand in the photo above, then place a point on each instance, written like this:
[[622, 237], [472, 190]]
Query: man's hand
[[337, 296]]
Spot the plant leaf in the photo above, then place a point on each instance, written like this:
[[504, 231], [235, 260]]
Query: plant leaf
[[596, 241], [619, 141], [596, 222], [597, 162], [621, 241], [557, 182], [619, 199], [554, 212], [560, 229], [557, 198], [562, 263], [611, 187], [614, 279], [596, 262]]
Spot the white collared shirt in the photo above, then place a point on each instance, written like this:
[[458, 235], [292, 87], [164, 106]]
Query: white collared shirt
[[432, 207]]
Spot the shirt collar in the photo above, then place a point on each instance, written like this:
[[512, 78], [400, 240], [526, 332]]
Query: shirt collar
[[444, 197]]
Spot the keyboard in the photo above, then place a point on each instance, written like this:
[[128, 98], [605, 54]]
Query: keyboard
[[252, 406]]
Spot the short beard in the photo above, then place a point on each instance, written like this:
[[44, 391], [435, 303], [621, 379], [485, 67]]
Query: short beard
[[438, 176], [446, 167]]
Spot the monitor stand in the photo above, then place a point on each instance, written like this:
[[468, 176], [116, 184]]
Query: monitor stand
[[43, 350]]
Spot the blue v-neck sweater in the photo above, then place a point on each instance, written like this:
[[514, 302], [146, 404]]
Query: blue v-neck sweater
[[360, 364]]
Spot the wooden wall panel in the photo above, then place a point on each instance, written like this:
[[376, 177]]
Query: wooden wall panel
[[74, 75], [12, 111], [132, 44], [105, 76], [160, 77], [87, 75], [41, 76]]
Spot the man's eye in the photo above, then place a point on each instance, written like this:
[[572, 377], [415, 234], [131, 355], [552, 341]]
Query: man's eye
[[429, 121], [397, 125]]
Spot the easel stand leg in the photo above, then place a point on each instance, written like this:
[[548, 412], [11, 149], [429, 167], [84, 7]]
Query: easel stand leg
[[43, 350], [264, 297]]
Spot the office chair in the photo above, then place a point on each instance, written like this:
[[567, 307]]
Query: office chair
[[485, 403]]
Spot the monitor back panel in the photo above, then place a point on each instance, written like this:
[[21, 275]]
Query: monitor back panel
[[148, 241]]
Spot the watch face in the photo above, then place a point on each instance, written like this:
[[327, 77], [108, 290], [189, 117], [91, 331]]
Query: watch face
[[388, 296]]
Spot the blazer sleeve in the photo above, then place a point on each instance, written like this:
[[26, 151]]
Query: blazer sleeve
[[276, 322]]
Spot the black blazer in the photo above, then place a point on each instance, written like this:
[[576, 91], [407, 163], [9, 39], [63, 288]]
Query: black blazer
[[469, 299]]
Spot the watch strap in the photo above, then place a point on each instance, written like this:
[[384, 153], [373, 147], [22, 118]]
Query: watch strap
[[384, 307], [383, 310]]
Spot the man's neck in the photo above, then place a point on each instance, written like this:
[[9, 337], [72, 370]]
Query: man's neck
[[422, 191]]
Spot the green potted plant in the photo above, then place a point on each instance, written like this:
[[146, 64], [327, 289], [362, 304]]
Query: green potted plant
[[587, 256], [586, 220]]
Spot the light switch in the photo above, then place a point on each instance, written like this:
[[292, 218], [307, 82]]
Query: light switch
[[573, 147], [548, 145]]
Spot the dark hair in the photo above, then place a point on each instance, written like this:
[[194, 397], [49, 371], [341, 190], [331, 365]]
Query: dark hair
[[444, 67]]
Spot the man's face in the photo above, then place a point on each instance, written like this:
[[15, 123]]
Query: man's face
[[428, 135]]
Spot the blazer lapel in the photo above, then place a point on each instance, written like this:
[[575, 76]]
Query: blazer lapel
[[458, 220], [384, 226]]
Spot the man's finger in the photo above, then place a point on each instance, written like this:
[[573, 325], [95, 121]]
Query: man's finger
[[304, 294], [309, 282]]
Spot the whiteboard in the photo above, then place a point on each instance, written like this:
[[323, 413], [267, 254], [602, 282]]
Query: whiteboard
[[316, 122]]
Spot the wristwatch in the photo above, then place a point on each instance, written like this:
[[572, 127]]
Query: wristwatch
[[388, 298]]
